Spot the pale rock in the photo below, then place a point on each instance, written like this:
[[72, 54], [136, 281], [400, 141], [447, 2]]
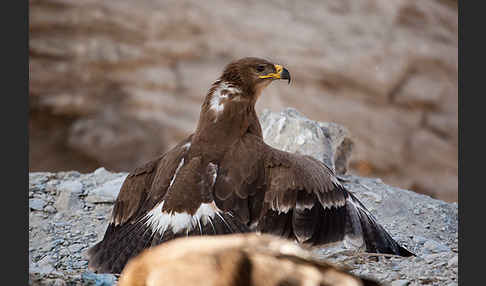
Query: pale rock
[[43, 266], [75, 247], [107, 192], [400, 282], [432, 246], [454, 261], [36, 204], [50, 209], [68, 199], [290, 131], [94, 279], [74, 187]]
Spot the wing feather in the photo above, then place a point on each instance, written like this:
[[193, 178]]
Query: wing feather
[[305, 201], [146, 185]]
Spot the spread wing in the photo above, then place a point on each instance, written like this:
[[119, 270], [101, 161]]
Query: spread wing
[[166, 198], [305, 201], [137, 195], [140, 192], [296, 197]]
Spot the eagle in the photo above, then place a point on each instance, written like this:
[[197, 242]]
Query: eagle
[[236, 259], [224, 179]]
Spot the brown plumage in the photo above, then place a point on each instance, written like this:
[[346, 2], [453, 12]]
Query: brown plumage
[[233, 260], [224, 179]]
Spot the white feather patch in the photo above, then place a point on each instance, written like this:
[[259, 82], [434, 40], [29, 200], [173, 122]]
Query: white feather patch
[[186, 146], [215, 103], [176, 171], [161, 221]]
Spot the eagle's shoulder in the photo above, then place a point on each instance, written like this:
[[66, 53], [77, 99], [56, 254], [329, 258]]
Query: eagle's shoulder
[[146, 183]]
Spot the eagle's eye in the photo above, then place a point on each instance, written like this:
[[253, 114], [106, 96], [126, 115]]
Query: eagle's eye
[[260, 68]]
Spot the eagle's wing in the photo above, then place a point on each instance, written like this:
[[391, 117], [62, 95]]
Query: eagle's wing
[[305, 201], [294, 196], [167, 198], [140, 192]]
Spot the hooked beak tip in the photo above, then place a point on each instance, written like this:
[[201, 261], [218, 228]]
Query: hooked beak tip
[[285, 75]]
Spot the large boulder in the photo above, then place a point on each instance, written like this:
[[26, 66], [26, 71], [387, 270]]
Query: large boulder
[[290, 131]]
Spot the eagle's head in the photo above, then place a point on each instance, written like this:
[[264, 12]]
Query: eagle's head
[[251, 74], [229, 107]]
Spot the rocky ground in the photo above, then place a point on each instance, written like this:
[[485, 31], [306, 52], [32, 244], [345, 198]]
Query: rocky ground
[[69, 212]]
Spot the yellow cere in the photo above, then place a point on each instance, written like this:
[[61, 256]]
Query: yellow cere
[[276, 75]]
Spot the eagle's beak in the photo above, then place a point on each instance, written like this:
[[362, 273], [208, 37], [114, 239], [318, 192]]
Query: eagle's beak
[[285, 74], [281, 73]]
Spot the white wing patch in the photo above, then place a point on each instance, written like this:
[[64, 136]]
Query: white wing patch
[[176, 171], [186, 146], [161, 221]]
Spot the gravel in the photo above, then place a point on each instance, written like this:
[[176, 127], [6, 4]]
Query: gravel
[[58, 240]]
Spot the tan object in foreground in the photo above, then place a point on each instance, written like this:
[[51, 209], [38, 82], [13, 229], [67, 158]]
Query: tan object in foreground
[[239, 259]]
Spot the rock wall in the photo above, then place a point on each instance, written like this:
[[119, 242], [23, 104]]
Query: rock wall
[[124, 80]]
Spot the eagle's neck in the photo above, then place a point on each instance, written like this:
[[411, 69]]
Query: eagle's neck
[[228, 113]]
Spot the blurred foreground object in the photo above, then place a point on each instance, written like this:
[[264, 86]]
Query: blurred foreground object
[[240, 259]]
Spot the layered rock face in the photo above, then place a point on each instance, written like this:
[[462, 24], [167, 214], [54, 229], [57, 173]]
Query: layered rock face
[[113, 83]]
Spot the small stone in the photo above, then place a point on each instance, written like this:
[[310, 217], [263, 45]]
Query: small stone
[[68, 201], [419, 239], [50, 209], [74, 187], [101, 172], [90, 278], [400, 282], [80, 264], [36, 204], [432, 246], [376, 197], [106, 193], [51, 187], [42, 267], [58, 282], [381, 276], [58, 216], [63, 252], [453, 262], [392, 276], [75, 247], [429, 258]]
